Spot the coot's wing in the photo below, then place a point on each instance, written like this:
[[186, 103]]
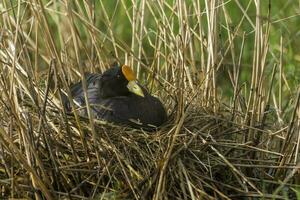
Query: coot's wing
[[92, 81], [112, 109], [132, 110], [77, 90]]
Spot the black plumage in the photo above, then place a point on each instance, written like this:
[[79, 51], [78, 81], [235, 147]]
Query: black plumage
[[110, 99]]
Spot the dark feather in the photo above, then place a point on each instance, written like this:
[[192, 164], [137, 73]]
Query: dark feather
[[110, 100]]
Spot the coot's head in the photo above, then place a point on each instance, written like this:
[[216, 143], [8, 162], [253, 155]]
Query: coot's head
[[119, 81]]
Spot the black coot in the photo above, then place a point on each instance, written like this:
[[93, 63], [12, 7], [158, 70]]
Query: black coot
[[116, 96]]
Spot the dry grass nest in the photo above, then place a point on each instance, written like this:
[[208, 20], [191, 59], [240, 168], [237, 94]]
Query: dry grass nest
[[197, 154]]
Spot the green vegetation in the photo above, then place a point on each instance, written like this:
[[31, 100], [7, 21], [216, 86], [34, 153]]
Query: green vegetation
[[227, 71]]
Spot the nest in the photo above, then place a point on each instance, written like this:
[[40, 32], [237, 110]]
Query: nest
[[197, 155]]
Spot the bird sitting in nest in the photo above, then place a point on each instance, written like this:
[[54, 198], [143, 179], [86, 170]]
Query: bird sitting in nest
[[116, 96]]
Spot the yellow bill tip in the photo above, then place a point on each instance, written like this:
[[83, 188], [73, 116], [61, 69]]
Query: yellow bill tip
[[135, 88]]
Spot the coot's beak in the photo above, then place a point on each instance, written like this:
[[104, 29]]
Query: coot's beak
[[135, 88], [132, 83]]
